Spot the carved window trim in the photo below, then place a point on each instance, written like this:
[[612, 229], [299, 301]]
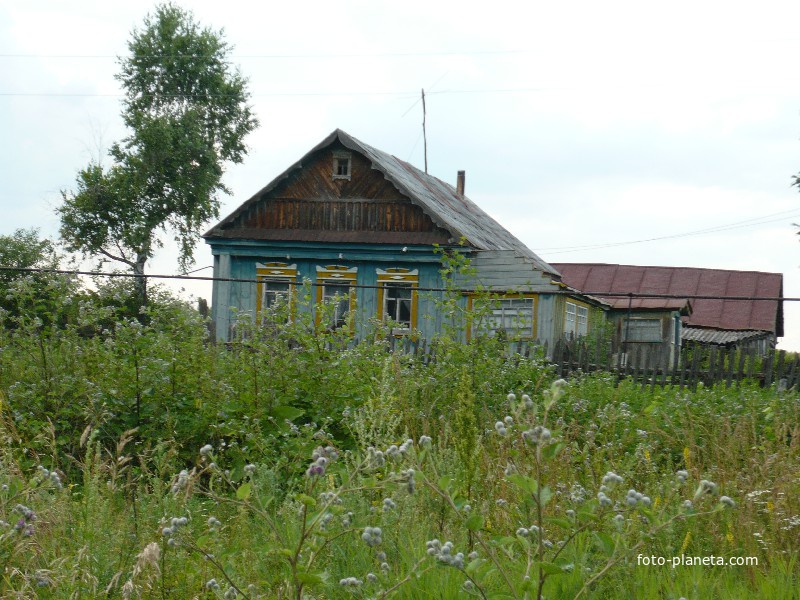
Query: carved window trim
[[280, 274], [398, 278], [335, 277]]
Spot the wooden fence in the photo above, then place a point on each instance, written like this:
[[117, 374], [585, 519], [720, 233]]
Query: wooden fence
[[707, 365]]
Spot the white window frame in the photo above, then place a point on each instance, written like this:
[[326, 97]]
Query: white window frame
[[515, 316], [576, 319]]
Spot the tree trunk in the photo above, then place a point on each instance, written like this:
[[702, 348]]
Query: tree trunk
[[140, 281]]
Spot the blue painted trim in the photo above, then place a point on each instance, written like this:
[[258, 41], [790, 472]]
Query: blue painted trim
[[320, 251]]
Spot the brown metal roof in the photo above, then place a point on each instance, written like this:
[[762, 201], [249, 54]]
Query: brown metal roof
[[686, 282], [439, 200]]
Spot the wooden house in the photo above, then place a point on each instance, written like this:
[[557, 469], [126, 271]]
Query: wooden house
[[688, 306], [364, 232]]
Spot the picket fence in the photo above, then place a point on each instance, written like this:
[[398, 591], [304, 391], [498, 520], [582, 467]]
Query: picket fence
[[708, 365]]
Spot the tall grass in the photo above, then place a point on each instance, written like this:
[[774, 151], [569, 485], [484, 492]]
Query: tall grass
[[188, 469]]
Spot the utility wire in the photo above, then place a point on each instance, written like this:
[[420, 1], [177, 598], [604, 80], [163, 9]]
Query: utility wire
[[763, 220], [279, 56], [416, 289]]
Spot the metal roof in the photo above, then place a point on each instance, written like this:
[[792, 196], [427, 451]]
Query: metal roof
[[439, 200], [687, 282], [719, 337]]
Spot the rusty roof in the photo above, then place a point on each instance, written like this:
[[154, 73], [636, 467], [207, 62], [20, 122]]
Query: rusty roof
[[689, 283], [439, 200]]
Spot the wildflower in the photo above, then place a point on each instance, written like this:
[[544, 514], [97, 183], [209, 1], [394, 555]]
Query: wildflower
[[527, 401], [500, 427], [372, 578], [408, 477], [511, 397], [508, 420], [705, 487], [249, 469], [212, 584], [389, 504], [472, 555], [611, 478], [603, 499], [393, 451], [537, 435], [380, 556], [425, 441], [350, 582], [682, 476], [206, 451], [501, 502], [230, 594], [372, 536], [633, 498], [522, 532], [375, 457], [729, 502], [468, 585], [181, 482], [213, 522], [619, 520], [347, 519], [687, 504]]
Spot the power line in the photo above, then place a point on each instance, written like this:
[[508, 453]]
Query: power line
[[333, 56], [763, 220], [416, 289]]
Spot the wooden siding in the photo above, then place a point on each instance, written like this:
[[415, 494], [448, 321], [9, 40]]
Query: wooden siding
[[311, 200], [336, 215]]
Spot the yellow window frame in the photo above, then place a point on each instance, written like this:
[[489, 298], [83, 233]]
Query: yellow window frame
[[333, 275], [402, 276], [280, 273]]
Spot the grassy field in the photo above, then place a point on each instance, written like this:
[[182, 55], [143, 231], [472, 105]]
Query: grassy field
[[141, 461]]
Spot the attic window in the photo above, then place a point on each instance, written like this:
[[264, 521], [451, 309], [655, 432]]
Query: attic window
[[342, 165]]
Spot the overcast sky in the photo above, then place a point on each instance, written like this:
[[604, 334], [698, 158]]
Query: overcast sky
[[594, 131]]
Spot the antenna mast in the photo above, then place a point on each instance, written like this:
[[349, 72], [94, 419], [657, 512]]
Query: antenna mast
[[424, 135]]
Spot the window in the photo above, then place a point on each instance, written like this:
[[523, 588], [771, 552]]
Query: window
[[512, 316], [576, 319], [397, 298], [336, 295], [642, 330], [342, 165], [275, 290]]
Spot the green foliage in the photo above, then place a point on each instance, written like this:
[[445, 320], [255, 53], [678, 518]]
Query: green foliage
[[187, 113], [28, 295], [191, 468]]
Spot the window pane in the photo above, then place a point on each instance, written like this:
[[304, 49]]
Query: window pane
[[397, 303], [643, 330], [338, 295], [513, 316]]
